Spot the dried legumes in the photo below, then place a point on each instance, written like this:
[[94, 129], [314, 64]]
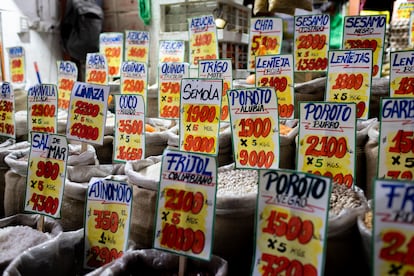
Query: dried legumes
[[341, 198], [237, 182]]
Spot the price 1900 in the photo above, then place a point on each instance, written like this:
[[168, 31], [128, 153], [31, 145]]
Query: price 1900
[[255, 127], [196, 113]]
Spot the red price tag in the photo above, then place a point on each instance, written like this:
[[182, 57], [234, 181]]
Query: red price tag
[[259, 127], [106, 220], [197, 113], [278, 265], [137, 52], [43, 110], [256, 158], [199, 143], [6, 106], [185, 201], [131, 126], [269, 43], [131, 85], [309, 64], [97, 76], [129, 153], [84, 131], [99, 256], [312, 41], [170, 87], [5, 127], [406, 86], [204, 39]]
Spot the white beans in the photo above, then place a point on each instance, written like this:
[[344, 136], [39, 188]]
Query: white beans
[[237, 182], [341, 198]]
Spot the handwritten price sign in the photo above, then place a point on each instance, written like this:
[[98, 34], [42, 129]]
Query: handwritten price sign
[[134, 78], [41, 108], [327, 142], [96, 69], [266, 35], [186, 204], [46, 174], [349, 79], [202, 39], [171, 51], [401, 74], [87, 113], [366, 31], [137, 46], [396, 147], [111, 46], [277, 72], [255, 127], [67, 75], [108, 212], [199, 117], [7, 111], [311, 42], [393, 232], [17, 64], [291, 231], [219, 69], [130, 128], [170, 75]]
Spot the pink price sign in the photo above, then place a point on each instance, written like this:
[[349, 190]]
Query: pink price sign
[[7, 111]]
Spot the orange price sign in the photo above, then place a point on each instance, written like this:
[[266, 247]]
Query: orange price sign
[[7, 111], [396, 147], [17, 64], [200, 101], [366, 32], [349, 78], [292, 219], [42, 108], [134, 79], [203, 40], [96, 69], [111, 46], [311, 42], [266, 35], [170, 75], [67, 75], [184, 222], [276, 71], [137, 46], [327, 140], [107, 221], [130, 127], [255, 131], [401, 74], [46, 173], [171, 51]]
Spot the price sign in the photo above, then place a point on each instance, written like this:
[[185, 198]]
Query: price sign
[[199, 115], [202, 39], [396, 142], [219, 69], [393, 230], [171, 51], [327, 143], [46, 173], [107, 222], [170, 75], [96, 69], [276, 71], [17, 64], [349, 79], [185, 214], [7, 111], [130, 128], [266, 35], [87, 113], [311, 42], [42, 108], [111, 46], [291, 225], [402, 9], [411, 30], [255, 127], [366, 32], [401, 74], [67, 75], [134, 78], [137, 46]]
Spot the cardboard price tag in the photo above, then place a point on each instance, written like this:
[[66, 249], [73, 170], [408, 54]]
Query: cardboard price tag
[[17, 64], [46, 174], [170, 75], [42, 108], [87, 113], [137, 46], [219, 69], [199, 118], [255, 127], [276, 71], [7, 111], [396, 141], [311, 42], [134, 79], [401, 76], [130, 128], [67, 75], [96, 69], [393, 231], [186, 204], [291, 225], [326, 142], [171, 51], [111, 45], [108, 215]]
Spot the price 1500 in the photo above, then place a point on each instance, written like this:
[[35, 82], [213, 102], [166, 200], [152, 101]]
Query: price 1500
[[186, 201], [405, 87], [99, 256], [403, 142]]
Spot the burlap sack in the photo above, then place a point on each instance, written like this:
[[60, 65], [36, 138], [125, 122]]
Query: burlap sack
[[157, 262], [366, 233], [287, 146], [16, 176], [6, 148], [371, 156]]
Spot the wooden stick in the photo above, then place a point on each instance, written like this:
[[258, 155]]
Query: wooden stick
[[84, 147], [41, 224], [182, 265]]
